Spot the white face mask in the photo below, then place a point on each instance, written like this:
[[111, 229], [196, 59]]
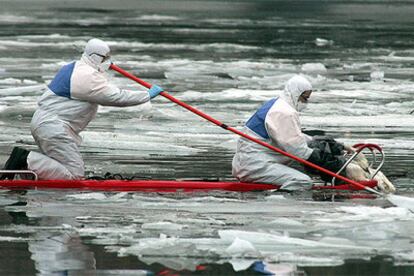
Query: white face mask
[[104, 66], [301, 106]]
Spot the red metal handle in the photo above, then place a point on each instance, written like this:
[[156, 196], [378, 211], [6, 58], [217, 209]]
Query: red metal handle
[[362, 146]]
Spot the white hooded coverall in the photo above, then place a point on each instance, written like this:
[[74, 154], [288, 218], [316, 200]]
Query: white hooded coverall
[[277, 123], [66, 107]]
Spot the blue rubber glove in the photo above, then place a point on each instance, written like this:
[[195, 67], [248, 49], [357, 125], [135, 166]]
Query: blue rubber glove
[[154, 91]]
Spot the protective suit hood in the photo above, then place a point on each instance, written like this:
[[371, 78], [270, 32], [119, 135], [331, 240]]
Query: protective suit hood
[[294, 87], [96, 51]]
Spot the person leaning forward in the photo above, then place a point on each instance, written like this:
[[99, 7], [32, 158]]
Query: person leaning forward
[[277, 122], [66, 107]]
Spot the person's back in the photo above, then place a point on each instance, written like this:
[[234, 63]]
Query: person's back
[[70, 110]]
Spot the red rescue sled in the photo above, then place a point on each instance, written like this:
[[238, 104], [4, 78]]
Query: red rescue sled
[[157, 185]]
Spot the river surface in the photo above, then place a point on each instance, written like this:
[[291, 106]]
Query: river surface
[[225, 58]]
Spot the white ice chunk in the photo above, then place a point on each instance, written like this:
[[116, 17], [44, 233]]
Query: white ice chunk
[[323, 42], [10, 81], [241, 264], [286, 222], [98, 231], [258, 238], [157, 17], [306, 260], [282, 269], [402, 201], [6, 201], [275, 198], [161, 247], [16, 91], [12, 239], [86, 196], [119, 195], [377, 76], [404, 258], [369, 212], [314, 68], [240, 247], [26, 81], [337, 241]]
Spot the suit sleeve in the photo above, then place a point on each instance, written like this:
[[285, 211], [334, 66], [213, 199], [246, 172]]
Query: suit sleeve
[[104, 93], [308, 138], [285, 131]]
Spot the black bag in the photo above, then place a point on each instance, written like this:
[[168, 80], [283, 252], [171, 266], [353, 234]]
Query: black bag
[[327, 154]]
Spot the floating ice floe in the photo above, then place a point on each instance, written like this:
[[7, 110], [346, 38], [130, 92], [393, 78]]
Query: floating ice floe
[[275, 198], [286, 222], [265, 239], [158, 17], [229, 95], [13, 239], [323, 42], [147, 142], [377, 76], [366, 121], [88, 196], [21, 91], [11, 18], [404, 258], [111, 231], [240, 264], [372, 211], [240, 247], [161, 247], [17, 81], [304, 260], [314, 68], [6, 201]]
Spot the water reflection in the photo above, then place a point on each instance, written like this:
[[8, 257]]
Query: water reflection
[[61, 254], [276, 269]]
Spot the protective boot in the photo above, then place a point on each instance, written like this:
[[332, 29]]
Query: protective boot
[[16, 161]]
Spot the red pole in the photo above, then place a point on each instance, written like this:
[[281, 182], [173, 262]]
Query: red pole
[[220, 124]]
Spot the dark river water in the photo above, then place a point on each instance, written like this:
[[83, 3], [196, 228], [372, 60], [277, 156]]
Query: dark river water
[[225, 58]]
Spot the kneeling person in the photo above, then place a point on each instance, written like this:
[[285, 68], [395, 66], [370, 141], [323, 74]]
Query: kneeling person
[[66, 107]]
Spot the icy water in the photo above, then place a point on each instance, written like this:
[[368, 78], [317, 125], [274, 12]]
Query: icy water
[[225, 58]]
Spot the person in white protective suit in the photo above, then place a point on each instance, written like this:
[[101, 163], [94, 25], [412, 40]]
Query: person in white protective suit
[[66, 107], [277, 122]]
